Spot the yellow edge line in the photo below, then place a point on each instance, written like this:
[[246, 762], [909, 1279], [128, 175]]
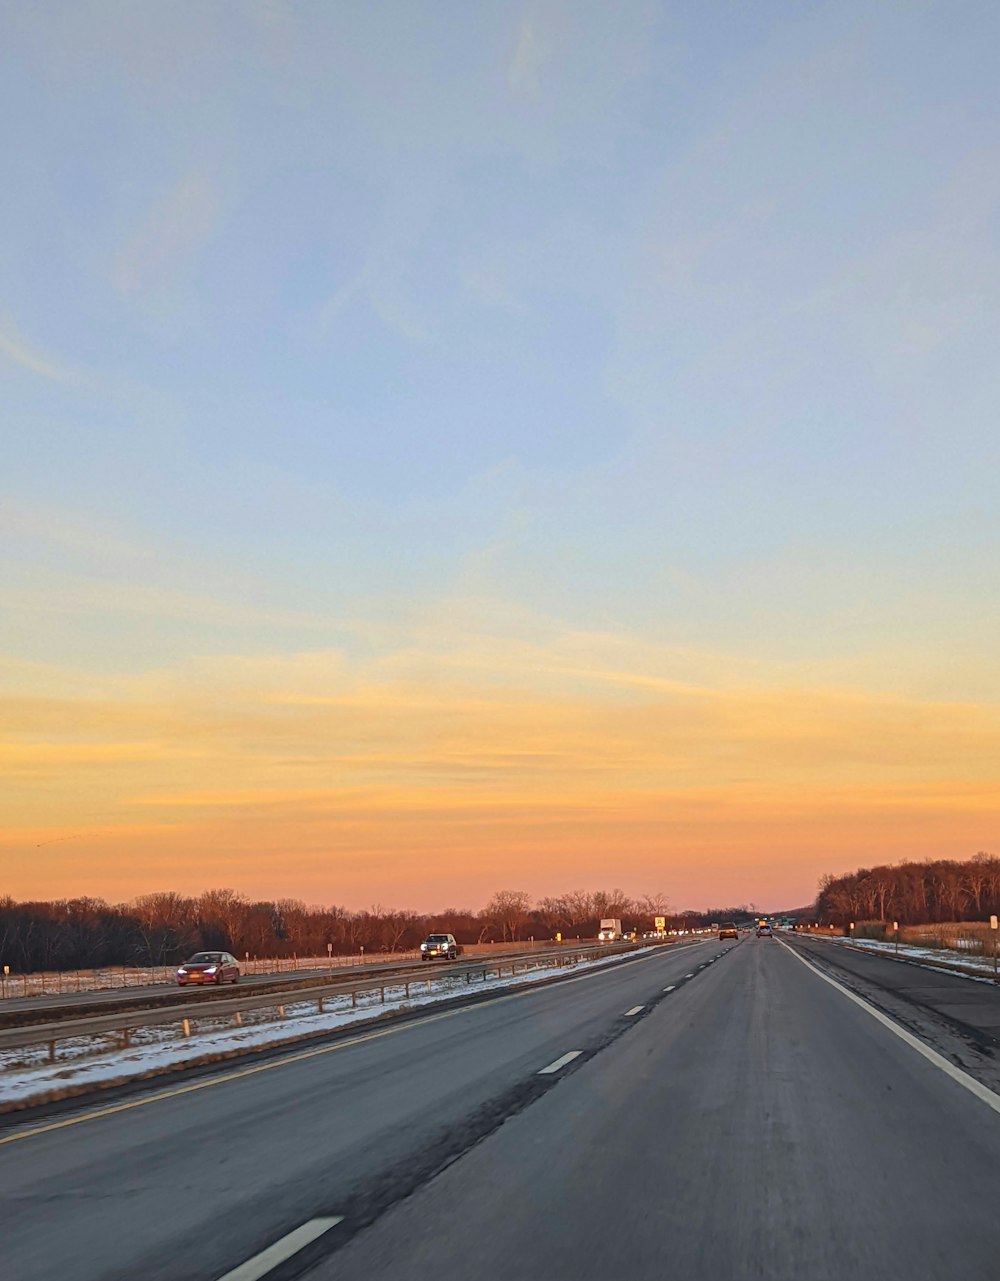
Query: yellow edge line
[[299, 1057]]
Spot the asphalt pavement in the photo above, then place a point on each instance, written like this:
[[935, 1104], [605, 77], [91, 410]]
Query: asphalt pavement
[[719, 1108]]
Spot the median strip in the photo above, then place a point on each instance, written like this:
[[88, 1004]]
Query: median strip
[[291, 1244]]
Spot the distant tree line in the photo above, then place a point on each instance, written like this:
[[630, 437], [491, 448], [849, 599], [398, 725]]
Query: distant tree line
[[913, 893], [164, 928]]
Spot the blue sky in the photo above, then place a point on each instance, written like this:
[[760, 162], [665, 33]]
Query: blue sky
[[364, 330]]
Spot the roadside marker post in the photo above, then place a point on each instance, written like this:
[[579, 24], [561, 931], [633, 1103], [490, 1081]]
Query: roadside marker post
[[993, 931], [895, 930]]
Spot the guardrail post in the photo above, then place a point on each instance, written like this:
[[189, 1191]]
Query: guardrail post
[[52, 1051], [406, 988], [382, 991], [354, 1000], [320, 1004]]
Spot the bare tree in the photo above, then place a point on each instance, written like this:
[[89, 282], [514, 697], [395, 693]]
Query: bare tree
[[508, 909]]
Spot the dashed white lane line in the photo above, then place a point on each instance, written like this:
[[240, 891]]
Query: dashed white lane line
[[636, 1009], [291, 1244], [689, 976], [560, 1062], [671, 988]]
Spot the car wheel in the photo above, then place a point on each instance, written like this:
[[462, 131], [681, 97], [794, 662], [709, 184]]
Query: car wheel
[[218, 980], [236, 978]]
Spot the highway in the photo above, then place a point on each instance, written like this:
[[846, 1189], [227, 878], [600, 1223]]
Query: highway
[[718, 1108]]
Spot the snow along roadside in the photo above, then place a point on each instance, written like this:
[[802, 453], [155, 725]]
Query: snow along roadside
[[163, 1052], [978, 968]]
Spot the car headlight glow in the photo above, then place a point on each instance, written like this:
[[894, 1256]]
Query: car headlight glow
[[211, 969]]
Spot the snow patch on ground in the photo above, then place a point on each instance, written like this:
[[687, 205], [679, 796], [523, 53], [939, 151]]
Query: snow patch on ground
[[978, 968], [24, 1079]]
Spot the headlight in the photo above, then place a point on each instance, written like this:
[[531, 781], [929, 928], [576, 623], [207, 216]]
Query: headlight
[[181, 973], [211, 969]]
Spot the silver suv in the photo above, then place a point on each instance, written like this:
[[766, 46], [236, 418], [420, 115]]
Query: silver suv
[[439, 945]]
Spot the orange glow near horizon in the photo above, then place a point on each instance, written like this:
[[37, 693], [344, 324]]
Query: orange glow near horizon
[[429, 780]]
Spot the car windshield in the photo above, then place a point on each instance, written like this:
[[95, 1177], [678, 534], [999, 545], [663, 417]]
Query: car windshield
[[205, 958], [437, 938]]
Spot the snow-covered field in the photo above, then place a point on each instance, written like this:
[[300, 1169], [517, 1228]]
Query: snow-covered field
[[973, 966], [27, 1077]]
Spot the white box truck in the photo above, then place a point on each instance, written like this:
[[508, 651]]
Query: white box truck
[[610, 931]]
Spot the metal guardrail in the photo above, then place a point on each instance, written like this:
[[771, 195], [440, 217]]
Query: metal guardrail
[[124, 1025], [13, 1014]]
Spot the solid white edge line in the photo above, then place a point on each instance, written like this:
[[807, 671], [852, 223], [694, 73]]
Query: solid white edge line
[[636, 1009], [282, 1249], [982, 1092], [553, 1067]]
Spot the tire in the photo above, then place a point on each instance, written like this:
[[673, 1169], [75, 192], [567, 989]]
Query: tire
[[236, 979], [218, 980]]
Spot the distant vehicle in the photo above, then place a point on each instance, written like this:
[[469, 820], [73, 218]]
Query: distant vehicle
[[610, 931], [729, 931], [443, 945], [764, 931], [209, 967]]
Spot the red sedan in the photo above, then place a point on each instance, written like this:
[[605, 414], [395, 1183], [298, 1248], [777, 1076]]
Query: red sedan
[[209, 967]]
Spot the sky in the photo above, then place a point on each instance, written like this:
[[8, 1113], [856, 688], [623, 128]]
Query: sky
[[539, 445]]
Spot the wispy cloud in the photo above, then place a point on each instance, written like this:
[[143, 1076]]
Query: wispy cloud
[[169, 238], [70, 531], [524, 70], [19, 352]]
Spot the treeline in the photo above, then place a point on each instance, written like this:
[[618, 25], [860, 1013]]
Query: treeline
[[164, 928], [913, 893]]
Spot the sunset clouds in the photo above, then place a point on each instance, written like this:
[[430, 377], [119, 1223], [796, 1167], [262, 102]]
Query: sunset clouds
[[431, 767], [538, 445]]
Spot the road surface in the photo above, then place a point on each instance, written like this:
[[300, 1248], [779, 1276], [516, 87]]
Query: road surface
[[727, 1111]]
